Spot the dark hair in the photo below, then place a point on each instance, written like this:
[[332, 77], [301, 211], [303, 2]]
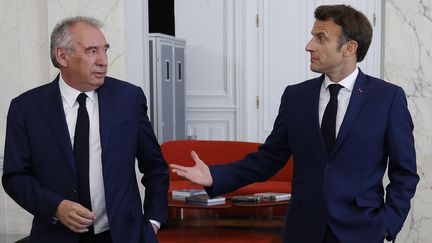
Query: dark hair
[[60, 35], [355, 25]]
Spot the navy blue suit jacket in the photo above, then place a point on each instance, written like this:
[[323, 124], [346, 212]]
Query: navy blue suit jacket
[[343, 189], [39, 168]]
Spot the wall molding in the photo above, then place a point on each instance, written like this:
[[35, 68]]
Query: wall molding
[[136, 36], [229, 48], [212, 109], [220, 53], [240, 50], [211, 123], [212, 90], [210, 129], [208, 94]]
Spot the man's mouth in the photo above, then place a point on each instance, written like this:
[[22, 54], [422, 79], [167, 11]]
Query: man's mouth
[[99, 74]]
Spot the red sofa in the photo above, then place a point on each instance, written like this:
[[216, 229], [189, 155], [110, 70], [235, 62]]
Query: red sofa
[[212, 152]]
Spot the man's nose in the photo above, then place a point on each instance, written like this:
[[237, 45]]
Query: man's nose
[[309, 46], [102, 59]]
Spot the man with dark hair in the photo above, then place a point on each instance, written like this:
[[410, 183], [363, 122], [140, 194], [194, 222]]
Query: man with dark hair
[[71, 147], [343, 129], [355, 26]]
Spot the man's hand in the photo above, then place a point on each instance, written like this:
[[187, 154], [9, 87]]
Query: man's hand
[[155, 228], [198, 174], [74, 216]]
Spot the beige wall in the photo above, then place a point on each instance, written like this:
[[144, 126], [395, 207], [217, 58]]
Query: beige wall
[[25, 63], [24, 34]]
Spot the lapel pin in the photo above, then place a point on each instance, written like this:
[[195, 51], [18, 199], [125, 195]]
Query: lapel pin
[[360, 90]]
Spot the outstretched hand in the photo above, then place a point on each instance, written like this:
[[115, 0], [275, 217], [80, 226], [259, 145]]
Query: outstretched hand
[[198, 174]]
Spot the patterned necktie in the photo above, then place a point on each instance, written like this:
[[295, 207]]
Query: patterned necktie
[[328, 124], [81, 152]]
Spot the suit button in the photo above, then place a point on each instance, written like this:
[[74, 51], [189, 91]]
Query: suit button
[[329, 165], [75, 191]]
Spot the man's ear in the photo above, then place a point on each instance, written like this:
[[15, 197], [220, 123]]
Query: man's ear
[[60, 54], [350, 48]]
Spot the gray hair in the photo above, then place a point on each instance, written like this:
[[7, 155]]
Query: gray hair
[[60, 36]]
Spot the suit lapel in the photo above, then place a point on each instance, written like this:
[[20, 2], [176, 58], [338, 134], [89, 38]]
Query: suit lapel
[[358, 96], [106, 115], [315, 112], [52, 108]]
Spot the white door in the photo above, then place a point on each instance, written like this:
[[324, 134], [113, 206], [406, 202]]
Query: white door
[[280, 34]]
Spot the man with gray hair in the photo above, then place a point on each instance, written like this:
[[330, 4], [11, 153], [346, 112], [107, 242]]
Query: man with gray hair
[[71, 147]]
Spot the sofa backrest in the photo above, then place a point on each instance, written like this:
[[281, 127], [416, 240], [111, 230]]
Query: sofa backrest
[[212, 152]]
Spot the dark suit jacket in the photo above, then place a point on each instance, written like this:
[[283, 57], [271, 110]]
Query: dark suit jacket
[[39, 168], [343, 189]]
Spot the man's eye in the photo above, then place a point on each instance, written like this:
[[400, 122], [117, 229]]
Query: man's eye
[[91, 51]]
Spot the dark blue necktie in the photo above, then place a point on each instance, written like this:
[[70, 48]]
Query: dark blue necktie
[[328, 124], [81, 152]]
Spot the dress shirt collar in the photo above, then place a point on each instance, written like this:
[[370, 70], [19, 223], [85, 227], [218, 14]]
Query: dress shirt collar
[[347, 82], [70, 94]]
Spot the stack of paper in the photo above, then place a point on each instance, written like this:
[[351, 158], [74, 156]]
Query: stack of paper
[[183, 193], [246, 199], [274, 196], [205, 200]]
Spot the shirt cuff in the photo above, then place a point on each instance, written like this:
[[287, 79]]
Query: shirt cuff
[[155, 223]]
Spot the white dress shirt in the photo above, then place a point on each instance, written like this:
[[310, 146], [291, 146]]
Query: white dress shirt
[[97, 191], [344, 96]]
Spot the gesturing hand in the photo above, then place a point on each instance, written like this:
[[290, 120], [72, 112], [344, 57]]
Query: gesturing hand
[[74, 216], [155, 229], [198, 174]]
